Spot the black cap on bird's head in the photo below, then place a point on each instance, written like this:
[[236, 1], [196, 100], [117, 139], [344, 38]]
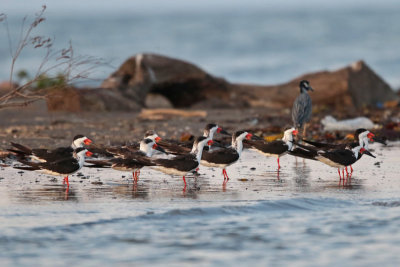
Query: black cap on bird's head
[[217, 129], [358, 131], [78, 136], [305, 86], [210, 126], [200, 139], [237, 134], [152, 135], [80, 149]]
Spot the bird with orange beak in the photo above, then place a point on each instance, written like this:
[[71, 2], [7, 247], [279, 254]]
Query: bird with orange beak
[[275, 148]]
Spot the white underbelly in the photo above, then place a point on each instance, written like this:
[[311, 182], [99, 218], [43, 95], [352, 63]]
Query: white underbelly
[[56, 173], [267, 154], [125, 169], [210, 164], [170, 171], [330, 162]]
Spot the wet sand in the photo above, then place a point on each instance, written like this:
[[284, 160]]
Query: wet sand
[[259, 217], [300, 216]]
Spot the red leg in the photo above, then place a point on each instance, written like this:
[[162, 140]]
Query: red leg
[[66, 181], [66, 193], [225, 176], [184, 180], [197, 169], [279, 166], [137, 175], [343, 175], [340, 177], [351, 168]]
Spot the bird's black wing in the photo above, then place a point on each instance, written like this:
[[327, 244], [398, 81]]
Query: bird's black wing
[[133, 163], [276, 147], [181, 163], [62, 166], [220, 156], [176, 148], [342, 156], [325, 145]]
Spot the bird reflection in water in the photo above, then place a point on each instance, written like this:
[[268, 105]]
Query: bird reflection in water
[[302, 176]]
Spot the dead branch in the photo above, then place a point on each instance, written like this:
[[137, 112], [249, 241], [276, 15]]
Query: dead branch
[[69, 67]]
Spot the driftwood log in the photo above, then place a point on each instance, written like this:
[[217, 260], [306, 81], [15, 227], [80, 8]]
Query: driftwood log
[[184, 85]]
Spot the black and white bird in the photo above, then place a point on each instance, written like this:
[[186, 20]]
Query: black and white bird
[[341, 158], [130, 161], [222, 157], [182, 164], [302, 107], [276, 148], [60, 167], [119, 151], [179, 148], [362, 137], [43, 155]]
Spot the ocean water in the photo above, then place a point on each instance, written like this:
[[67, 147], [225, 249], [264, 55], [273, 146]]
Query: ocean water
[[251, 45], [299, 217]]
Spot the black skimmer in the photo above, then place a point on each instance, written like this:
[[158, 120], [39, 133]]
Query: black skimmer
[[130, 161], [182, 164], [62, 167], [302, 107], [43, 155], [341, 158], [224, 157], [276, 148], [179, 148], [117, 151], [362, 138]]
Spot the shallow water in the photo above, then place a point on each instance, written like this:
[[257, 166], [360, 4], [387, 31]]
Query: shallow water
[[304, 218]]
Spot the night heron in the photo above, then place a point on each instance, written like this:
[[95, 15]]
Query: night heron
[[302, 107]]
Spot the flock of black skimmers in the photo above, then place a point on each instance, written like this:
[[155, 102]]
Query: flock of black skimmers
[[180, 158]]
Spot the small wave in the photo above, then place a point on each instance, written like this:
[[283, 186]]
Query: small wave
[[263, 206], [387, 204], [299, 204]]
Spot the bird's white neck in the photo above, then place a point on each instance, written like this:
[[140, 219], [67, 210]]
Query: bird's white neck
[[237, 144], [198, 151], [146, 149], [288, 139], [356, 151]]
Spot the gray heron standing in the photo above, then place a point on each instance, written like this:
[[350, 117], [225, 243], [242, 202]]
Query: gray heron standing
[[302, 107]]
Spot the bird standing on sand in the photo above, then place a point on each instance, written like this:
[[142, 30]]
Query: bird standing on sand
[[302, 107], [131, 161], [275, 148], [182, 164], [43, 155], [223, 157], [63, 167]]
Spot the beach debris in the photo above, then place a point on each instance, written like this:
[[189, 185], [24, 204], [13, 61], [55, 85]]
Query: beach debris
[[331, 124], [162, 114]]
